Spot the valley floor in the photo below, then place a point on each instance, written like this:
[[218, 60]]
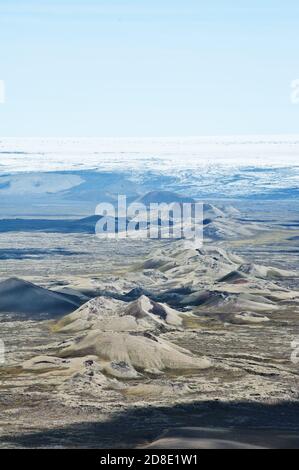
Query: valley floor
[[238, 303]]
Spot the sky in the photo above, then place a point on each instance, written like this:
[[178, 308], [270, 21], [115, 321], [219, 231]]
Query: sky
[[142, 68]]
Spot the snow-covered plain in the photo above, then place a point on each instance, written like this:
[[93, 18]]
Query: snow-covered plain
[[234, 165], [52, 154]]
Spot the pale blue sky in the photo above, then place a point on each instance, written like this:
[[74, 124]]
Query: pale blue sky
[[148, 67]]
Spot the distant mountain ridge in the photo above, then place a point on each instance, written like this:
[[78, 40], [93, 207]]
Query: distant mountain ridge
[[168, 197]]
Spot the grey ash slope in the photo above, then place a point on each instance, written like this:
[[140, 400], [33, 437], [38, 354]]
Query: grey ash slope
[[22, 297]]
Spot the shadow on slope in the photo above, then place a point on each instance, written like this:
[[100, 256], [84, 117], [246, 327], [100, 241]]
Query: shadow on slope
[[197, 425], [24, 298]]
